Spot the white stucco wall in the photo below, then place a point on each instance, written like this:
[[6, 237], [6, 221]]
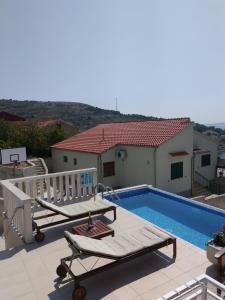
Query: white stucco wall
[[108, 156], [84, 160], [179, 143], [137, 167], [204, 142]]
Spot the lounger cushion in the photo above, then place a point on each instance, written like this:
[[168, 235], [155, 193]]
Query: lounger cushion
[[76, 209], [120, 245]]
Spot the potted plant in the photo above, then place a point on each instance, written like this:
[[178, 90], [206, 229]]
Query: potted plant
[[215, 245]]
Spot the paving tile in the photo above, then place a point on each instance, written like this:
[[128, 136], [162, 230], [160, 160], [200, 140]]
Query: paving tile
[[196, 271], [5, 294], [184, 265], [44, 288], [125, 292], [8, 282], [35, 268], [29, 296], [171, 271], [18, 289], [160, 290], [153, 280], [182, 279]]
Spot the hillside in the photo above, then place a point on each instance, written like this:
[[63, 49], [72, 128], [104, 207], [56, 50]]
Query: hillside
[[81, 115], [217, 125]]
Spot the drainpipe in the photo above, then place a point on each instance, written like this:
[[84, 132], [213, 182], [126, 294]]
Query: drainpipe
[[192, 172], [155, 170], [100, 177]]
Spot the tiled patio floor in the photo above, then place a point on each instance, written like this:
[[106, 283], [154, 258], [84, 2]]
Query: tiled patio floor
[[29, 273]]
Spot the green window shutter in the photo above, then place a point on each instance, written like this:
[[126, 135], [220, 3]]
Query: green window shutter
[[176, 170], [206, 160]]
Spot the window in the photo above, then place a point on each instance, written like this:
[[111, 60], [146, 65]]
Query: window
[[109, 169], [176, 170], [75, 161], [206, 160], [65, 158]]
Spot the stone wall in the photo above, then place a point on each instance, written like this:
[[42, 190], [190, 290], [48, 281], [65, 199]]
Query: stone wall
[[7, 172], [217, 186]]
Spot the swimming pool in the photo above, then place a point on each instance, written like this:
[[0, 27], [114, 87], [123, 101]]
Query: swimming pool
[[188, 219]]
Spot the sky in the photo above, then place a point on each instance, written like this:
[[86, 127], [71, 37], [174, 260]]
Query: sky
[[164, 58]]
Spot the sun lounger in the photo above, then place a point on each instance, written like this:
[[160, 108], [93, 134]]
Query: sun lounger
[[78, 210], [121, 248]]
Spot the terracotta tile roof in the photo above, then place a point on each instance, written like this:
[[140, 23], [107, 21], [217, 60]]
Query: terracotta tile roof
[[105, 136], [10, 117]]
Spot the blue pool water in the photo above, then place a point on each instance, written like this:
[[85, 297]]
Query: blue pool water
[[184, 218]]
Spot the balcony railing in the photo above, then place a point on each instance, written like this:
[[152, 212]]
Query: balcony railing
[[20, 193], [203, 287]]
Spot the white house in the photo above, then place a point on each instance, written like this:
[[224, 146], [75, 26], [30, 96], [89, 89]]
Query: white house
[[125, 154], [167, 154], [205, 157]]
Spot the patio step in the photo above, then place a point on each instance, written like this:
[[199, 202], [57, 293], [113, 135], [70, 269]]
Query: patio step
[[199, 190]]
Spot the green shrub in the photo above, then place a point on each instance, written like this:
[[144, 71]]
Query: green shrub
[[219, 238]]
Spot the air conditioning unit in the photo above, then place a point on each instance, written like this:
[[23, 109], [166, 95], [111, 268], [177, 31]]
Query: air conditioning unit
[[121, 154]]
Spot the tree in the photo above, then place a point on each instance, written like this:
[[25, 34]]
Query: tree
[[37, 140]]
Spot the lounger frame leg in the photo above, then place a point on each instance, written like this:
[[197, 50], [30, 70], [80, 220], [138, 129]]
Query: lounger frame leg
[[174, 249], [114, 213], [39, 236]]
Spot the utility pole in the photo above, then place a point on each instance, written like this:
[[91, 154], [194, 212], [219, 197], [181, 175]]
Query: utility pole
[[116, 103]]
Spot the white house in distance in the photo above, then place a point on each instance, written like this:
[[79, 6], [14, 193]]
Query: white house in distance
[[158, 152], [205, 156]]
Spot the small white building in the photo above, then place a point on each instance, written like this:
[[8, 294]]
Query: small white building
[[126, 154], [205, 157]]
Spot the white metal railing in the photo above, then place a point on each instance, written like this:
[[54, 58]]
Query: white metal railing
[[203, 287], [55, 187], [58, 186]]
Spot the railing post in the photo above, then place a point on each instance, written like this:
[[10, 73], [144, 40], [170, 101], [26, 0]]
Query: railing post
[[78, 186], [27, 215], [5, 217], [94, 178]]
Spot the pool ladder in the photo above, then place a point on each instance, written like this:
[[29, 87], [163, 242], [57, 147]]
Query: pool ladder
[[106, 190]]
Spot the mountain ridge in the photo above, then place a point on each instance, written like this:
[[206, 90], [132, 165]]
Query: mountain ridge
[[217, 125], [81, 115]]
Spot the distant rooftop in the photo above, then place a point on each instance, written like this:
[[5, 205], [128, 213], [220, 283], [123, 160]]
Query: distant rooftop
[[142, 133], [10, 117]]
